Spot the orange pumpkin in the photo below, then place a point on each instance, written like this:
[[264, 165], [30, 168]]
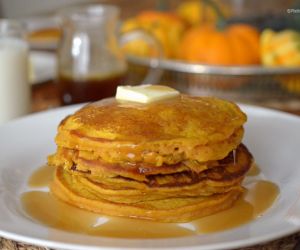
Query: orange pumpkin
[[237, 44]]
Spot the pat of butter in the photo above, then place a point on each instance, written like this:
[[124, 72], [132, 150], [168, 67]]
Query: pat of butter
[[145, 93]]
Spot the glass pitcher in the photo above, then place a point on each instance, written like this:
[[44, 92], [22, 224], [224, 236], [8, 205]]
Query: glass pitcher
[[90, 61]]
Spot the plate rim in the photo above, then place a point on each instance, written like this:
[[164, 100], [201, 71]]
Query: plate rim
[[216, 246]]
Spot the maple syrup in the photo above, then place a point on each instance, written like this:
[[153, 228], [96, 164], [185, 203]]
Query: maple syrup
[[41, 177], [48, 210], [254, 170], [74, 90], [252, 205]]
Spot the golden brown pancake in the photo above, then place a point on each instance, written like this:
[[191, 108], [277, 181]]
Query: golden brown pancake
[[170, 131], [205, 119], [172, 161], [227, 175], [100, 169], [163, 210]]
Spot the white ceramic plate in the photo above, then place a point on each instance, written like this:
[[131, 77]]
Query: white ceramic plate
[[272, 137]]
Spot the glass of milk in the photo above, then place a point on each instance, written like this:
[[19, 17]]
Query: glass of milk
[[14, 85]]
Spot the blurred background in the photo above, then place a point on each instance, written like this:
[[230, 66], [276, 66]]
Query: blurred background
[[242, 50], [28, 8]]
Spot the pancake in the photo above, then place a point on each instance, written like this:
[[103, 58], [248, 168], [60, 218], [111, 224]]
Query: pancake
[[150, 152], [183, 128], [227, 176], [86, 163], [145, 173], [223, 176], [171, 161], [205, 119], [162, 210]]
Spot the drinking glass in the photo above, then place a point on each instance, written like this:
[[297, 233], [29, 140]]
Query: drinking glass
[[14, 85]]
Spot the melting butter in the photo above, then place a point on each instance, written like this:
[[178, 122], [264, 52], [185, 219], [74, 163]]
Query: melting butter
[[145, 93]]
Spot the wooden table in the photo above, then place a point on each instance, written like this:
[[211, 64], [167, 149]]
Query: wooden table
[[45, 96]]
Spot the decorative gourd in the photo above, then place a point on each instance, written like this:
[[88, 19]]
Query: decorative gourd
[[195, 12], [166, 27], [237, 44], [280, 48]]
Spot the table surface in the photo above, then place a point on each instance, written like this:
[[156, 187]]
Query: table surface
[[287, 243], [45, 96]]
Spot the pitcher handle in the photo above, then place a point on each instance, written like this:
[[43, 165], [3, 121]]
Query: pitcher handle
[[154, 74]]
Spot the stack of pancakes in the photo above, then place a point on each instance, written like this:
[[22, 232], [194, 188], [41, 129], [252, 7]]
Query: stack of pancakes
[[171, 161]]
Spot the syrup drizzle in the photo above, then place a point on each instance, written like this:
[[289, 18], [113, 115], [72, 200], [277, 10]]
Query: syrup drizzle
[[41, 177], [254, 170], [48, 210]]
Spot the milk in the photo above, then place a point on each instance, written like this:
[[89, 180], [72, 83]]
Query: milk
[[14, 86]]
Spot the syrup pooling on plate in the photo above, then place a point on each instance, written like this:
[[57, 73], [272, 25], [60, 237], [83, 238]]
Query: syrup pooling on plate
[[252, 205], [254, 170], [262, 194], [41, 177], [48, 210]]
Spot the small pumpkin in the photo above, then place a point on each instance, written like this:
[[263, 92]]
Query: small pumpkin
[[166, 27], [237, 44], [195, 12], [280, 48]]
